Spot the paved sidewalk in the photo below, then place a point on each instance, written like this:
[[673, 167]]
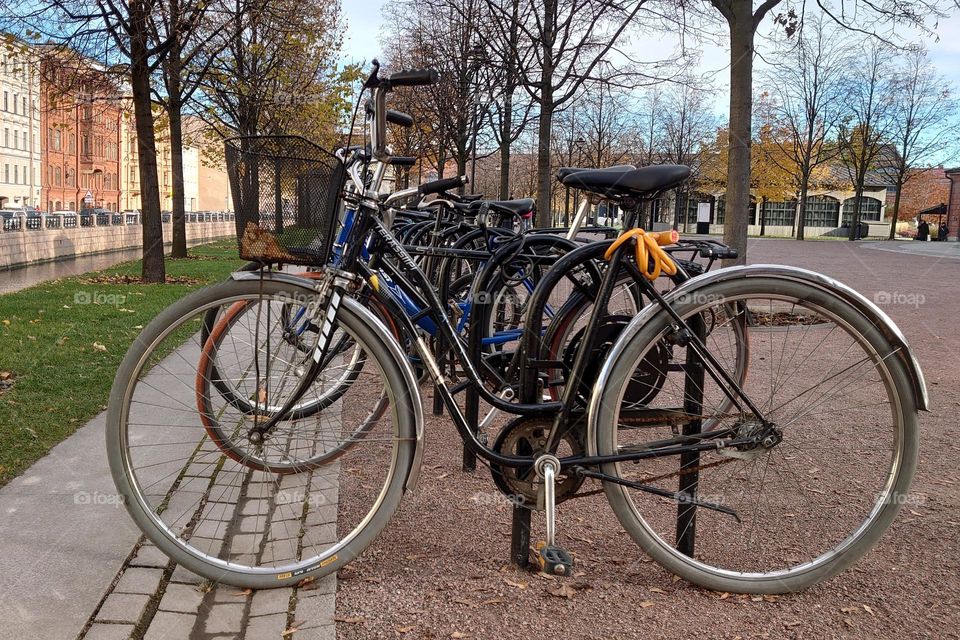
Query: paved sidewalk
[[950, 250], [73, 565]]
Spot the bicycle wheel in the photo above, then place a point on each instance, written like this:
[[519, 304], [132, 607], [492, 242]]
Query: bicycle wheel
[[227, 372], [217, 513], [807, 506]]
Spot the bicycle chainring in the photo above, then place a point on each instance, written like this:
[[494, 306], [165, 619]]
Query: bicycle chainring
[[527, 437]]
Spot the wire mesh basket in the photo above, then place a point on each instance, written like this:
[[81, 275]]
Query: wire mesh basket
[[287, 196]]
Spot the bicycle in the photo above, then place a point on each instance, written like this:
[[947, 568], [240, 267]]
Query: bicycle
[[234, 523]]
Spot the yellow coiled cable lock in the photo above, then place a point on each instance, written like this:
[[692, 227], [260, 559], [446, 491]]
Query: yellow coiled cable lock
[[648, 251]]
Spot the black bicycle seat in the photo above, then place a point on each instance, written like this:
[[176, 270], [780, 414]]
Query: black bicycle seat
[[618, 182], [563, 172]]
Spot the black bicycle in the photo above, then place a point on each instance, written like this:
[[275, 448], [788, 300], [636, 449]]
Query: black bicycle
[[762, 476]]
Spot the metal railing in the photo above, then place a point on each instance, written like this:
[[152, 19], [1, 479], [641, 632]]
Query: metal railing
[[24, 223]]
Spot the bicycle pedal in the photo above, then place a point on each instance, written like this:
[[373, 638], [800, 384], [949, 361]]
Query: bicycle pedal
[[554, 560]]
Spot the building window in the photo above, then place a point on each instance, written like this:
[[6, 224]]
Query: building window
[[15, 103], [779, 213], [869, 209], [24, 103], [6, 173], [16, 174], [6, 136], [822, 211], [6, 101], [58, 177], [16, 139]]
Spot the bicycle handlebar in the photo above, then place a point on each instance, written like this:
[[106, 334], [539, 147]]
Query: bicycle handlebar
[[439, 186], [413, 77]]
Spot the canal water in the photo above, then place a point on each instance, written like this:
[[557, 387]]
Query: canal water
[[20, 278]]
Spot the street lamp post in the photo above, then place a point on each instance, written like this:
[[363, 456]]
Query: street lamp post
[[476, 56]]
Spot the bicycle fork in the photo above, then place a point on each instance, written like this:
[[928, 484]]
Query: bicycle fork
[[323, 313]]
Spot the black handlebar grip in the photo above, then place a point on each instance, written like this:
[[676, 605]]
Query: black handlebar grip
[[399, 118], [414, 77], [439, 186]]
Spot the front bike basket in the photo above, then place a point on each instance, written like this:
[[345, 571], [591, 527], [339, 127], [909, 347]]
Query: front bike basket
[[287, 195]]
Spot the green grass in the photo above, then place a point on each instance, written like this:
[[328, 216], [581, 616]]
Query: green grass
[[47, 341]]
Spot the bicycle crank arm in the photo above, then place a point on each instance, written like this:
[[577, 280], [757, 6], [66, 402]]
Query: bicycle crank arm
[[681, 498]]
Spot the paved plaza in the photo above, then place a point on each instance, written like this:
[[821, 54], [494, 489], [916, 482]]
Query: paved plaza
[[73, 566]]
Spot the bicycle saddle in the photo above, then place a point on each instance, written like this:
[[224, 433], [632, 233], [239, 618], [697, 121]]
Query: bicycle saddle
[[515, 207], [563, 172], [627, 181]]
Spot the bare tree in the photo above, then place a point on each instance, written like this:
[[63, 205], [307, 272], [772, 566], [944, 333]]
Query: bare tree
[[806, 102], [922, 120], [867, 122], [185, 24], [561, 45], [688, 124]]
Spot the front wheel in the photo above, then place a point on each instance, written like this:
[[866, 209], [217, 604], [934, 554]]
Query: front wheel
[[809, 502], [269, 514]]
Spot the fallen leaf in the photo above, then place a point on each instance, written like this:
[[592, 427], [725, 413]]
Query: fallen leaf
[[656, 590], [791, 624], [404, 629], [646, 603], [244, 592], [562, 590], [292, 629], [868, 610], [456, 634], [306, 581], [99, 347], [518, 585]]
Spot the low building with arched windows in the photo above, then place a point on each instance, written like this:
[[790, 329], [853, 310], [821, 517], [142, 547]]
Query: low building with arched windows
[[831, 203]]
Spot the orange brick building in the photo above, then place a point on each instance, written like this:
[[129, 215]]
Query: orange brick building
[[80, 125]]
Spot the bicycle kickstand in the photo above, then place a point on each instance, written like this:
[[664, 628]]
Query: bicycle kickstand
[[553, 560]]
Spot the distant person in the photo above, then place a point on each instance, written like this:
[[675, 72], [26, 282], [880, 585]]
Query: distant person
[[942, 233], [923, 231]]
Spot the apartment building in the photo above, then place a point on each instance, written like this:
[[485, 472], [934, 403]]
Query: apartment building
[[205, 187], [19, 129], [80, 118]]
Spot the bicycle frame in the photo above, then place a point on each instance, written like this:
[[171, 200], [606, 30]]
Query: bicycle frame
[[386, 244]]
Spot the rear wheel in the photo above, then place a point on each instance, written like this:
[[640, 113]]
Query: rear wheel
[[811, 501]]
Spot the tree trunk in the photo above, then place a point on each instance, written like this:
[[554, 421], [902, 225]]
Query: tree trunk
[[506, 122], [506, 131], [855, 218], [896, 211], [763, 216], [178, 194], [802, 208], [153, 267], [544, 215], [741, 106]]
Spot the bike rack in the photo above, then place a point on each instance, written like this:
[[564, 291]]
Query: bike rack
[[694, 377]]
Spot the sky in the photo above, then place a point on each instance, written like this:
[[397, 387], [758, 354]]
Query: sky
[[365, 21]]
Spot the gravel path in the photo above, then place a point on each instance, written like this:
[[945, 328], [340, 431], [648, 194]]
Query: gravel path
[[440, 570]]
